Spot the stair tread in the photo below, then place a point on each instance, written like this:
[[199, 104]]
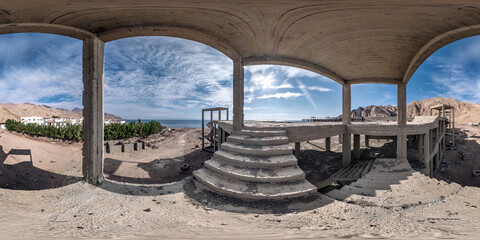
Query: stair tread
[[279, 160], [251, 190], [257, 150], [261, 133], [291, 173]]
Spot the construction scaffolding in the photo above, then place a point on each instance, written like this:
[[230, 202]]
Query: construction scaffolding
[[216, 136]]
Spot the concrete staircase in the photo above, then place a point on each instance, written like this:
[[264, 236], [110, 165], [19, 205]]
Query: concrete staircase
[[255, 164], [393, 183]]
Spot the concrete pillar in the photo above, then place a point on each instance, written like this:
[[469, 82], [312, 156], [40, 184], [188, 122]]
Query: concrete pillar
[[327, 144], [340, 138], [93, 59], [437, 142], [367, 141], [426, 148], [453, 127], [356, 146], [420, 147], [238, 94], [402, 121], [346, 119], [297, 150]]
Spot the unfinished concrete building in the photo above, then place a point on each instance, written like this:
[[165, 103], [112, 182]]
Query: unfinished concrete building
[[348, 41]]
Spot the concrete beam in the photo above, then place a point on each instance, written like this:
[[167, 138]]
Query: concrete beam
[[93, 60], [186, 32], [346, 119], [46, 28], [436, 43], [238, 95], [292, 62]]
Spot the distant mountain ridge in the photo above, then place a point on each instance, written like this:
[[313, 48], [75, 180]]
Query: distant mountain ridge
[[464, 112], [16, 111]]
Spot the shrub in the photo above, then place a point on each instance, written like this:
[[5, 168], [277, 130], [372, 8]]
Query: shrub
[[75, 132]]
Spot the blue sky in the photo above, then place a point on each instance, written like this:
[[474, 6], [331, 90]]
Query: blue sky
[[171, 78]]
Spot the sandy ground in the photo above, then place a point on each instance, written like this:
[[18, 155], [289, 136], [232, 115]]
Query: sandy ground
[[33, 204]]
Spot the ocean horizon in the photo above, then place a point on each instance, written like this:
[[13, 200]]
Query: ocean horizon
[[183, 123]]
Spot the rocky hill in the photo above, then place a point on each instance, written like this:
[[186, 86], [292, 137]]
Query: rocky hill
[[16, 111], [464, 112]]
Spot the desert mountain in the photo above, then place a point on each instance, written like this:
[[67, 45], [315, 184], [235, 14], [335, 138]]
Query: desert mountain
[[16, 111], [464, 112]]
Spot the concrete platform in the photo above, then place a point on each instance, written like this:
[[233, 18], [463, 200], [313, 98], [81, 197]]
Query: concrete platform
[[393, 183], [256, 165]]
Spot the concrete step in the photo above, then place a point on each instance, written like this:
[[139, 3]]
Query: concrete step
[[390, 165], [282, 174], [259, 133], [341, 195], [249, 140], [391, 176], [252, 190], [256, 161], [257, 150], [386, 185]]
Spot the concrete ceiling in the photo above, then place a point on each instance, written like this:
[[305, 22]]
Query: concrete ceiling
[[347, 40]]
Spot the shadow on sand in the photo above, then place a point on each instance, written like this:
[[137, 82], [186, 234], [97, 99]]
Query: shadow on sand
[[166, 170], [25, 176]]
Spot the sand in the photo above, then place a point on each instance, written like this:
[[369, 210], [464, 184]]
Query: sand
[[67, 208]]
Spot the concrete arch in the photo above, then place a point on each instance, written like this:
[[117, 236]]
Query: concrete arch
[[435, 44], [173, 31], [45, 28], [292, 62]]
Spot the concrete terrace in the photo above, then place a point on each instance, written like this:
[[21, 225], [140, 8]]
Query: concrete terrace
[[348, 41]]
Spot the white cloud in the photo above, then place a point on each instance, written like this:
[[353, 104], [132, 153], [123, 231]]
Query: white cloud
[[293, 72], [169, 73], [453, 75], [307, 94], [41, 69], [286, 95], [320, 89]]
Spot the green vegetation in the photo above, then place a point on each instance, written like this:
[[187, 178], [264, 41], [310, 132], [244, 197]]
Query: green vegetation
[[75, 132], [70, 132], [133, 129]]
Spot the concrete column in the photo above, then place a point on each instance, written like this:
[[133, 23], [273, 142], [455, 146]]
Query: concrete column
[[93, 59], [340, 138], [367, 141], [238, 94], [426, 148], [356, 146], [297, 150], [420, 147], [437, 142], [402, 121], [346, 119], [327, 144], [453, 127]]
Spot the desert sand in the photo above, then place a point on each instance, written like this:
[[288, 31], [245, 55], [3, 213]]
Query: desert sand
[[35, 205]]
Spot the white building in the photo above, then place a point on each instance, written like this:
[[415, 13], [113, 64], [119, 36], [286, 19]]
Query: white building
[[109, 121], [62, 122], [35, 120]]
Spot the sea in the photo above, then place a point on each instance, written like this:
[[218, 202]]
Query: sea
[[181, 123]]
